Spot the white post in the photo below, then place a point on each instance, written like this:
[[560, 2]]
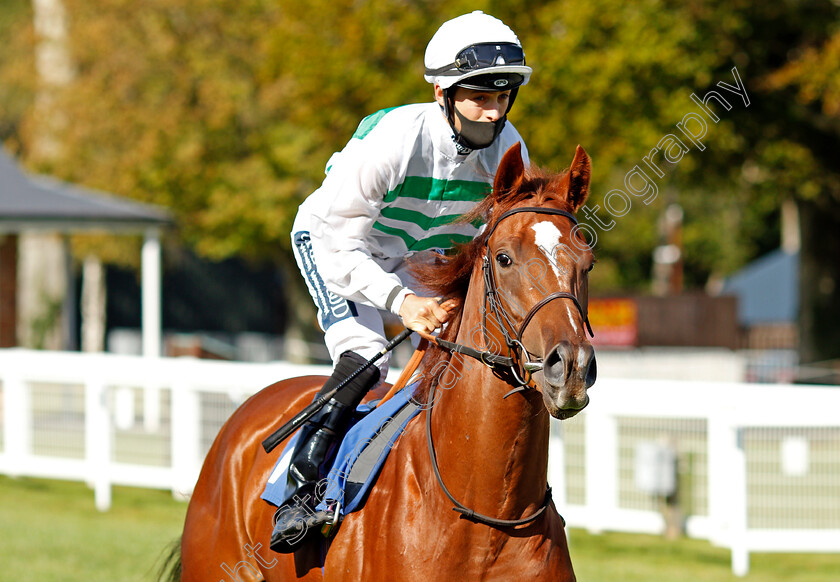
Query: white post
[[98, 441], [601, 469], [151, 293], [739, 512], [17, 422], [718, 458], [151, 308], [185, 438]]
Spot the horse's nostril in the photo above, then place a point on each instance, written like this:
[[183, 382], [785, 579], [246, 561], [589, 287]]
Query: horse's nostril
[[554, 367], [591, 372]]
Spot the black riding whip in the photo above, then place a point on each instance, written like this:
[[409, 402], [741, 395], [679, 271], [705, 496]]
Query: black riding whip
[[284, 431]]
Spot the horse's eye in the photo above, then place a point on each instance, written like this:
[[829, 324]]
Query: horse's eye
[[504, 260], [592, 266]]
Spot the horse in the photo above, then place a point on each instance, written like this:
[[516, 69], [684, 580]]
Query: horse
[[481, 440]]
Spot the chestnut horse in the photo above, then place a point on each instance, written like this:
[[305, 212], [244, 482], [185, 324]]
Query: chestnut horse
[[521, 290]]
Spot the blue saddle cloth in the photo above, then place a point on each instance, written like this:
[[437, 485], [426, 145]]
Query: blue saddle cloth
[[373, 433]]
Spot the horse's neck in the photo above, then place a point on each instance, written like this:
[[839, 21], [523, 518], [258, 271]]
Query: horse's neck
[[499, 447]]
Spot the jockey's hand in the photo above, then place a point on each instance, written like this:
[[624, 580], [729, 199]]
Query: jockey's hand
[[422, 313]]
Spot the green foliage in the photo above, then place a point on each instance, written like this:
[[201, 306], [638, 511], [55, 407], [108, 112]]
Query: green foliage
[[17, 61], [184, 118], [617, 76], [227, 112], [622, 557]]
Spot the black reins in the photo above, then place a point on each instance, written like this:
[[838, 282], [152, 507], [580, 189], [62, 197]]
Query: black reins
[[523, 364], [518, 366], [461, 508], [491, 288]]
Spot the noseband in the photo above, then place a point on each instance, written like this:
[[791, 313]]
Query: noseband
[[494, 305], [516, 368], [511, 366]]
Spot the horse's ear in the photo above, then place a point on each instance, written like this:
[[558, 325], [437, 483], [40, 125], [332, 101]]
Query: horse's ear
[[510, 172], [578, 179]]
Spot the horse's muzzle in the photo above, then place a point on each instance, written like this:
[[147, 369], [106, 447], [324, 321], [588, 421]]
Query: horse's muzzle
[[569, 371]]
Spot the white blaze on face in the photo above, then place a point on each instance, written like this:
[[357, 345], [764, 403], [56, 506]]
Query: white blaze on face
[[571, 318], [547, 236], [581, 360]]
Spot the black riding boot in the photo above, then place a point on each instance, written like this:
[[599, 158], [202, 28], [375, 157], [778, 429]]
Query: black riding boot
[[318, 440]]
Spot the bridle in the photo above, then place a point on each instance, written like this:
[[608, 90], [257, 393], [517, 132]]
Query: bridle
[[517, 367], [493, 305]]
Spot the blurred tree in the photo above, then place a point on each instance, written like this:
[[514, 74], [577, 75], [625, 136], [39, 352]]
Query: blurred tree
[[227, 111], [617, 76], [811, 82], [17, 69]]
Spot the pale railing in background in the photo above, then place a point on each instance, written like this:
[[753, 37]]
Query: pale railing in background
[[755, 467]]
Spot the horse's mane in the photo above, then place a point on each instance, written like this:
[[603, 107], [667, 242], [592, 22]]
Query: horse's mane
[[448, 276]]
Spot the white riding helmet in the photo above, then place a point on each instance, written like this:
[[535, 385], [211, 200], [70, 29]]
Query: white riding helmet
[[476, 45]]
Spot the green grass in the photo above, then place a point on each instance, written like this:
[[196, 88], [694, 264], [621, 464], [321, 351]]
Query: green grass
[[50, 530], [618, 557]]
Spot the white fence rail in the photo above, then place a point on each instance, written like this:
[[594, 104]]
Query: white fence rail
[[751, 467], [126, 420], [757, 466]]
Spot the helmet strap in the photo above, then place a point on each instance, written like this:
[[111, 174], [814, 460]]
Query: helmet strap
[[474, 135], [478, 135], [513, 93]]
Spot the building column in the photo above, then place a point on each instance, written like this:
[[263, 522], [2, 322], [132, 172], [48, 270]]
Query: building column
[[151, 293], [94, 303]]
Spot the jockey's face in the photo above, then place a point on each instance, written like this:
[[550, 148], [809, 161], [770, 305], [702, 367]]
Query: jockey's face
[[477, 105]]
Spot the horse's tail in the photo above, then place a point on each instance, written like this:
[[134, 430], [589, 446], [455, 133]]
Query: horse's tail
[[170, 569]]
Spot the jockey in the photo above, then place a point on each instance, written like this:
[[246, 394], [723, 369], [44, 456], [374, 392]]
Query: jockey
[[396, 188]]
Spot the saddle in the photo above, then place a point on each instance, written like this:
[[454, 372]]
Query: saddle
[[372, 434]]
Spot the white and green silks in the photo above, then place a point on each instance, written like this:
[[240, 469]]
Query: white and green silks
[[395, 189]]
